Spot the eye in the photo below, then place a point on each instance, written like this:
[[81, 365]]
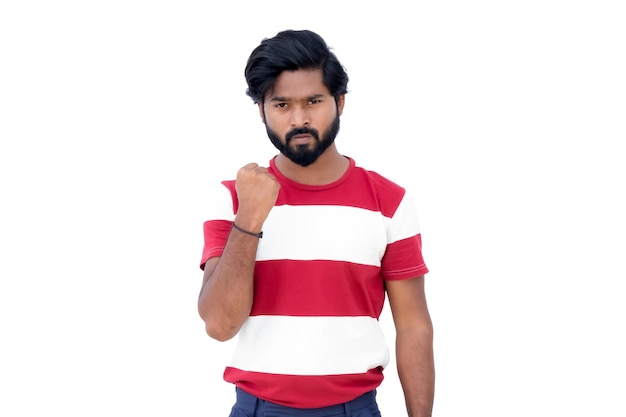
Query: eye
[[281, 105], [315, 101]]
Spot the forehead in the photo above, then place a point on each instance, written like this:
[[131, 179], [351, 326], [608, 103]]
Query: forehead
[[298, 84]]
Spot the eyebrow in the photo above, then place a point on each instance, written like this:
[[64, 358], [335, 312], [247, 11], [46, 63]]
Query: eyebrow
[[314, 96]]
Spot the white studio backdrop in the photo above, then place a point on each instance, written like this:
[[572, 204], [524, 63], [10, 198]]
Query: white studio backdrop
[[505, 119]]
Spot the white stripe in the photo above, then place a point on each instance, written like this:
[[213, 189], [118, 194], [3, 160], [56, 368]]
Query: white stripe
[[337, 233], [220, 205], [310, 345], [405, 222]]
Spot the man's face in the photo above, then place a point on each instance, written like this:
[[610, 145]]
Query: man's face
[[300, 115]]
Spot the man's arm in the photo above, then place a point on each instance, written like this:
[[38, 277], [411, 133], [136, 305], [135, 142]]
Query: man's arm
[[227, 291], [414, 344]]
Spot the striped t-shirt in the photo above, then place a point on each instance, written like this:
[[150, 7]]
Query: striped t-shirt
[[313, 338]]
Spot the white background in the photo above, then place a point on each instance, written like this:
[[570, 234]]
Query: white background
[[505, 119]]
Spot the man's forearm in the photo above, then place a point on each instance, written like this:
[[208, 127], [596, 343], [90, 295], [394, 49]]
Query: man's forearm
[[416, 369], [226, 295]]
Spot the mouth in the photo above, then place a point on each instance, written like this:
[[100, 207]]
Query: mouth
[[300, 138]]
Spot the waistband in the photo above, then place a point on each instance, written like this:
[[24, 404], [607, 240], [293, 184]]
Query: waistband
[[253, 404]]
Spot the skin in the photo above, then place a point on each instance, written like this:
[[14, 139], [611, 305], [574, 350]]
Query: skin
[[300, 99], [414, 344]]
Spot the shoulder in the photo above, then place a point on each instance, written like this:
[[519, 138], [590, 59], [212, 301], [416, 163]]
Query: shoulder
[[375, 178], [388, 193], [220, 199], [379, 180]]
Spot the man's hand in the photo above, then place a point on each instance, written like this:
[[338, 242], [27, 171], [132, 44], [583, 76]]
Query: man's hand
[[257, 191]]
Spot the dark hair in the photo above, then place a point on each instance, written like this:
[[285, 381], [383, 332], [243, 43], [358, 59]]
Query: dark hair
[[292, 50]]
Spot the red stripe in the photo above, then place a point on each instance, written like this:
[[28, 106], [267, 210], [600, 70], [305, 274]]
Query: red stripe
[[397, 253], [359, 188], [317, 288], [304, 391], [215, 236]]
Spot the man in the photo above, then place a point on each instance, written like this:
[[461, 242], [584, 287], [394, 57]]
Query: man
[[298, 256]]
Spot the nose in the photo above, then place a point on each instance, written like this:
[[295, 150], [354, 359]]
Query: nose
[[300, 116]]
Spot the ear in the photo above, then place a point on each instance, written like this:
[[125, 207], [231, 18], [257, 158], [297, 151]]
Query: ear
[[341, 100], [261, 111]]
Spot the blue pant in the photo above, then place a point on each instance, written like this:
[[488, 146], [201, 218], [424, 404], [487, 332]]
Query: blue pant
[[250, 406]]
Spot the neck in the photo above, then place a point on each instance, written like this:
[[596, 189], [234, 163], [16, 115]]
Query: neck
[[328, 168]]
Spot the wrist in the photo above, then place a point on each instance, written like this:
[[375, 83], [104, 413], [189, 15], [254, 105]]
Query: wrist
[[249, 222], [258, 234]]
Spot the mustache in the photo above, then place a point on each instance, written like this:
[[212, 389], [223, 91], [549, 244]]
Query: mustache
[[302, 131]]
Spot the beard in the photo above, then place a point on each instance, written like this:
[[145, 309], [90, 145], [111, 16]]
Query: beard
[[304, 155]]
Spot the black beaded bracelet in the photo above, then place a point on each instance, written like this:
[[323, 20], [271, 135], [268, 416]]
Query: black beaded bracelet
[[259, 235]]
